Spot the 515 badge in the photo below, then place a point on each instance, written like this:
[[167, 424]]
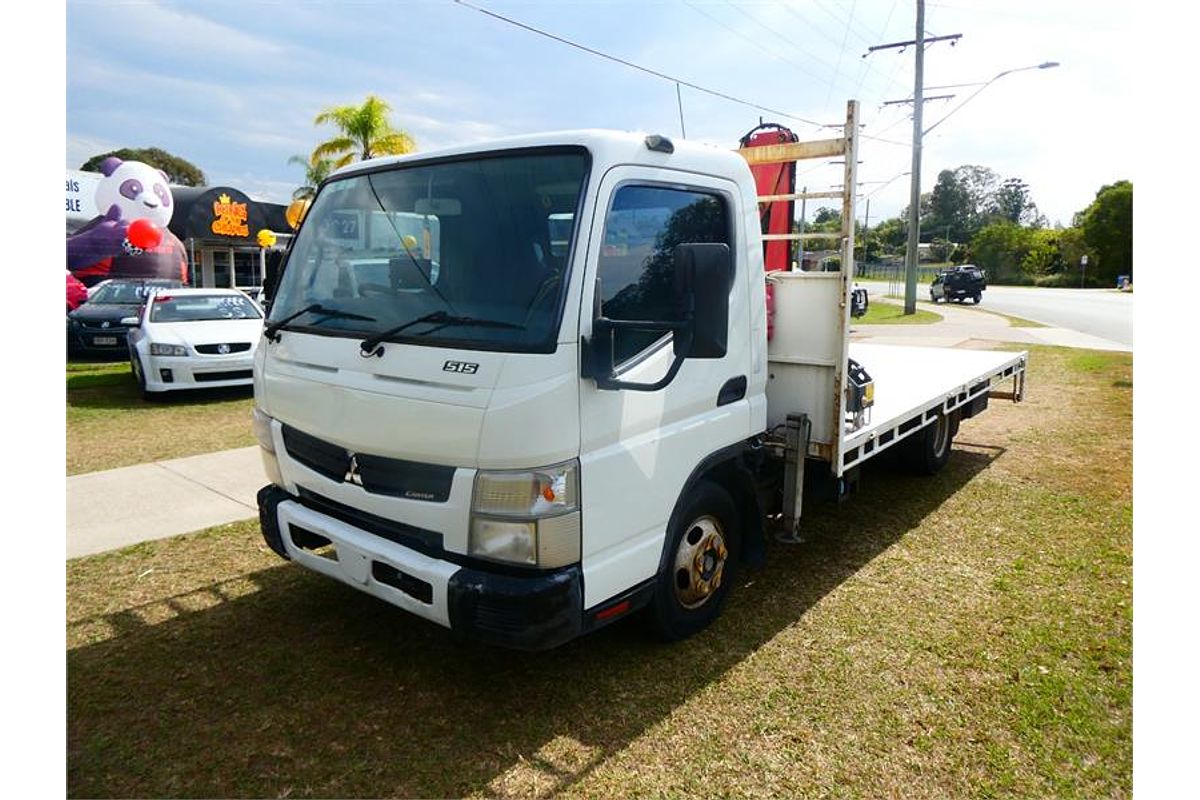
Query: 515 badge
[[464, 367]]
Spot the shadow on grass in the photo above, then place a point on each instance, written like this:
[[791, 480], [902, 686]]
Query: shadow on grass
[[118, 391], [306, 687]]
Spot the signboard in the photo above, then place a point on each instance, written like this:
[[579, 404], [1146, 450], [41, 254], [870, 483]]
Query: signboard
[[229, 217], [81, 197]]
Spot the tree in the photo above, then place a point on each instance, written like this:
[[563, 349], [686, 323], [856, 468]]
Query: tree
[[1108, 230], [1012, 202], [315, 171], [180, 172], [892, 234], [364, 132], [826, 215], [979, 184], [958, 205], [950, 209], [1000, 248]]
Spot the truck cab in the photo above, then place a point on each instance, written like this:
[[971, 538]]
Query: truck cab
[[513, 388]]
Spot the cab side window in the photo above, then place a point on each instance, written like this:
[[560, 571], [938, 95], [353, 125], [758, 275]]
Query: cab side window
[[636, 269]]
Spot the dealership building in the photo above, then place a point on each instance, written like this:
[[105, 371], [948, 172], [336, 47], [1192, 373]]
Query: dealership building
[[218, 226]]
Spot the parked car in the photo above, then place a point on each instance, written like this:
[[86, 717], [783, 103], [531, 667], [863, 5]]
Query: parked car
[[77, 293], [965, 282], [95, 327], [194, 339]]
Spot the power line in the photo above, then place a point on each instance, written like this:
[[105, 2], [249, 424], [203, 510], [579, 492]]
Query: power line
[[845, 38], [849, 21], [815, 28], [862, 74], [631, 65], [743, 37]]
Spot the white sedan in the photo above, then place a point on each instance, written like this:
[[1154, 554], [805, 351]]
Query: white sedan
[[194, 339]]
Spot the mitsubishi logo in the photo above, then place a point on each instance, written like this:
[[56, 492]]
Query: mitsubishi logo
[[352, 475], [223, 349]]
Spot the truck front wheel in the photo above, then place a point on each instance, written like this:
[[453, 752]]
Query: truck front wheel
[[698, 565]]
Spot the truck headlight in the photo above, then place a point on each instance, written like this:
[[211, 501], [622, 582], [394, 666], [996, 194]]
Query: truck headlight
[[528, 517], [157, 349]]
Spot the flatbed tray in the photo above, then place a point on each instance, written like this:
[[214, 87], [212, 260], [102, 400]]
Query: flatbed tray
[[913, 384]]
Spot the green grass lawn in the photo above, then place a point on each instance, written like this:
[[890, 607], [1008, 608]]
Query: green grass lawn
[[966, 635], [882, 313], [110, 425]]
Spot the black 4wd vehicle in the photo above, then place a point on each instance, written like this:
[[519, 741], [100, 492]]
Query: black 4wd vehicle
[[961, 283]]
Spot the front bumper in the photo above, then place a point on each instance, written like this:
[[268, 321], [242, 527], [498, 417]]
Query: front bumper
[[198, 372], [98, 341], [532, 611]]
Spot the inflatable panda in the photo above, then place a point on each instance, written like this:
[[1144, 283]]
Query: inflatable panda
[[129, 190]]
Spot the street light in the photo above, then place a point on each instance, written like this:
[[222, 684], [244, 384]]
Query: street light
[[914, 206], [1043, 65]]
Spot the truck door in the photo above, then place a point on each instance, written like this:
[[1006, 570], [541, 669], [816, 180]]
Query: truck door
[[638, 448]]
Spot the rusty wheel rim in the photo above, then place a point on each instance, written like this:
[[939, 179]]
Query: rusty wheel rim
[[699, 562]]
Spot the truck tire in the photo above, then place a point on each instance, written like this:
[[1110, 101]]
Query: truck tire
[[929, 449], [975, 298], [698, 563]]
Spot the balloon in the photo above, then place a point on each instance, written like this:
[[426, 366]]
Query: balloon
[[144, 233], [296, 211]]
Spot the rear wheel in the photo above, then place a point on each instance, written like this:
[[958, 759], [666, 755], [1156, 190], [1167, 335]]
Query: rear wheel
[[929, 449], [698, 565]]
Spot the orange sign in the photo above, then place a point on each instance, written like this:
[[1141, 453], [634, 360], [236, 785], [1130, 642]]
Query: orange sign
[[230, 217]]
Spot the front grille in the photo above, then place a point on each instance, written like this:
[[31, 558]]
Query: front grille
[[212, 349], [100, 327], [227, 375], [322, 457], [392, 477]]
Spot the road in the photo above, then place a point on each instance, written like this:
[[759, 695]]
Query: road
[[1100, 312], [1105, 313]]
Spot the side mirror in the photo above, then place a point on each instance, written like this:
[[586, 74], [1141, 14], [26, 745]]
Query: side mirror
[[703, 279], [131, 322]]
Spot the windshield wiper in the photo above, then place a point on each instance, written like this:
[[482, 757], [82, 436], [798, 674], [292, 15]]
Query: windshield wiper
[[272, 331], [441, 319]]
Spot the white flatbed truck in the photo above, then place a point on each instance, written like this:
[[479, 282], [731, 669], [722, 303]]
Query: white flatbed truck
[[558, 404]]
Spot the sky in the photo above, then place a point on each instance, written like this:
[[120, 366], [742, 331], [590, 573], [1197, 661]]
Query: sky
[[234, 87]]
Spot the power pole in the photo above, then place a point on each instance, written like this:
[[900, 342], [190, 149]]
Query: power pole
[[914, 208], [918, 101], [866, 231]]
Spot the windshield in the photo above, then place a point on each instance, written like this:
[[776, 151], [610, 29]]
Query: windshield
[[200, 307], [118, 293], [488, 238]]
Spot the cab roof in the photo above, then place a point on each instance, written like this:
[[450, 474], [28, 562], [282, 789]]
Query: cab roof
[[607, 148]]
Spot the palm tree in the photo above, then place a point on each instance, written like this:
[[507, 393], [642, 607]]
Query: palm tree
[[315, 171], [365, 133]]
